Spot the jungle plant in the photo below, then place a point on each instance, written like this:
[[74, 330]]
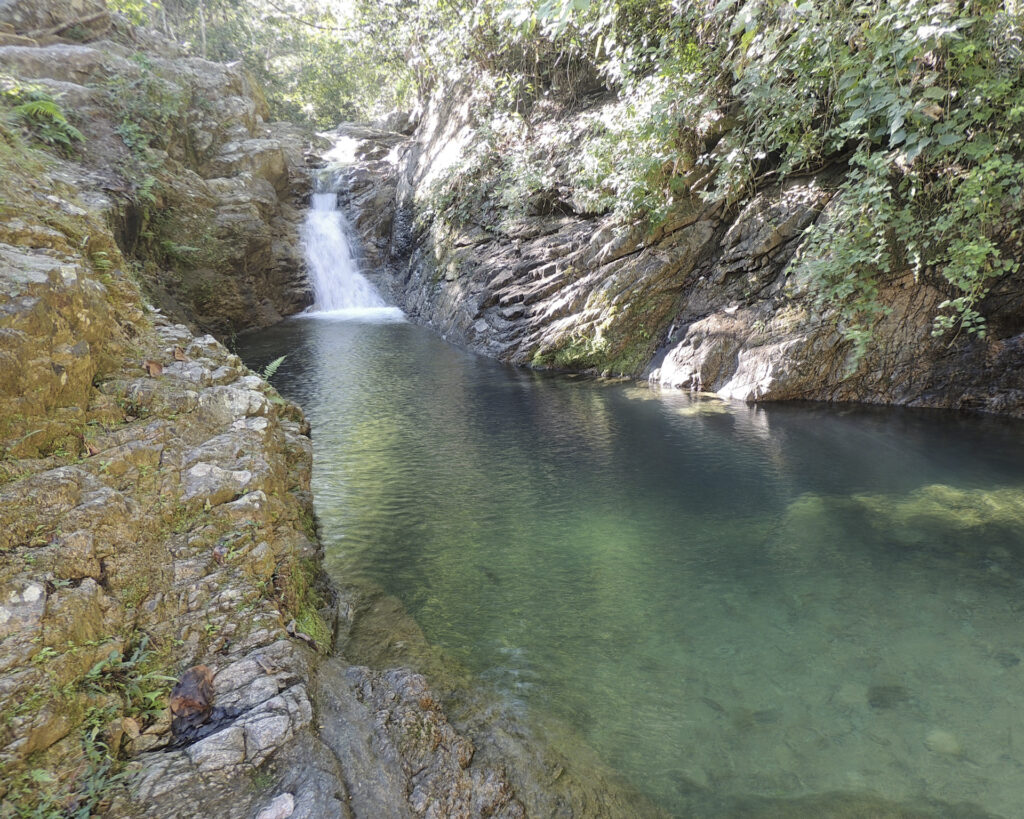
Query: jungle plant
[[131, 676], [272, 367], [922, 105], [39, 114]]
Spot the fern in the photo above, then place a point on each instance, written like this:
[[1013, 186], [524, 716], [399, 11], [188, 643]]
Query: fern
[[271, 368], [42, 116]]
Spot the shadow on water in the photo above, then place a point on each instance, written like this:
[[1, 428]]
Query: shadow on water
[[749, 611]]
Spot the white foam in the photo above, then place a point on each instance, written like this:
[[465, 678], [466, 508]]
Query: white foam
[[368, 315], [338, 285]]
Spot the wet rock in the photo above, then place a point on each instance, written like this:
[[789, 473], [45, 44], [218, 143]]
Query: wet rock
[[402, 755], [483, 752], [191, 699]]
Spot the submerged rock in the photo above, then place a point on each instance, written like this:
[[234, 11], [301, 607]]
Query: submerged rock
[[888, 696], [942, 742]]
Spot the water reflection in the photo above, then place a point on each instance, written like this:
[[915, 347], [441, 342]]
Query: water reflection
[[732, 603]]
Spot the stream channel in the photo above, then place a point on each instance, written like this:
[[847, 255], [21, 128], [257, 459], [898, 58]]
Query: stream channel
[[724, 601]]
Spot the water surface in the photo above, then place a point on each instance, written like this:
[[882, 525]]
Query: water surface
[[725, 601]]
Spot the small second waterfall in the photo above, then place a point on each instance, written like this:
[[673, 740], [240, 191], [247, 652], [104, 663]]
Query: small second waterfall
[[338, 286]]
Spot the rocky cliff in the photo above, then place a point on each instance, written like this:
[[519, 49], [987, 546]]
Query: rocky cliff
[[154, 494], [203, 193], [704, 301]]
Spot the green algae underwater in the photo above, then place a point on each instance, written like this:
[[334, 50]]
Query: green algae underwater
[[744, 611]]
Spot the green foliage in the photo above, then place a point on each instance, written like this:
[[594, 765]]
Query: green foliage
[[101, 261], [150, 108], [139, 12], [298, 585], [923, 102], [314, 59], [500, 177], [272, 367], [39, 114], [177, 254], [147, 105], [929, 99], [132, 677], [128, 684]]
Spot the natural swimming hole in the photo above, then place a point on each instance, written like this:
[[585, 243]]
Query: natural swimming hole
[[732, 605]]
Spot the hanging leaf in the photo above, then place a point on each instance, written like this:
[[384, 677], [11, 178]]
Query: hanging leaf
[[271, 368]]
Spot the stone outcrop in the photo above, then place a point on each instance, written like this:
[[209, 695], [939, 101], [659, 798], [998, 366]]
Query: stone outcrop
[[155, 514], [704, 302], [34, 23], [206, 194], [485, 760]]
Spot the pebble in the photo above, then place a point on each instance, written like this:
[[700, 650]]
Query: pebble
[[942, 742]]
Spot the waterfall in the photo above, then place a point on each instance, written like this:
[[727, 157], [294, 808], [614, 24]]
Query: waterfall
[[338, 286]]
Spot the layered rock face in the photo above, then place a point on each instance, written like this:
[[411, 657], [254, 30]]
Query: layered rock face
[[121, 435], [704, 302], [154, 512], [206, 193]]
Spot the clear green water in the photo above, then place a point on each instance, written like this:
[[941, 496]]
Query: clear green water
[[725, 601]]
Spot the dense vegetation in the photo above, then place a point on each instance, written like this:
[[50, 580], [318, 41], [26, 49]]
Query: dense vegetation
[[922, 102], [317, 64]]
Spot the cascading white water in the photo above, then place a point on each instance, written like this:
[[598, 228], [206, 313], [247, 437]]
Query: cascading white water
[[337, 283]]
